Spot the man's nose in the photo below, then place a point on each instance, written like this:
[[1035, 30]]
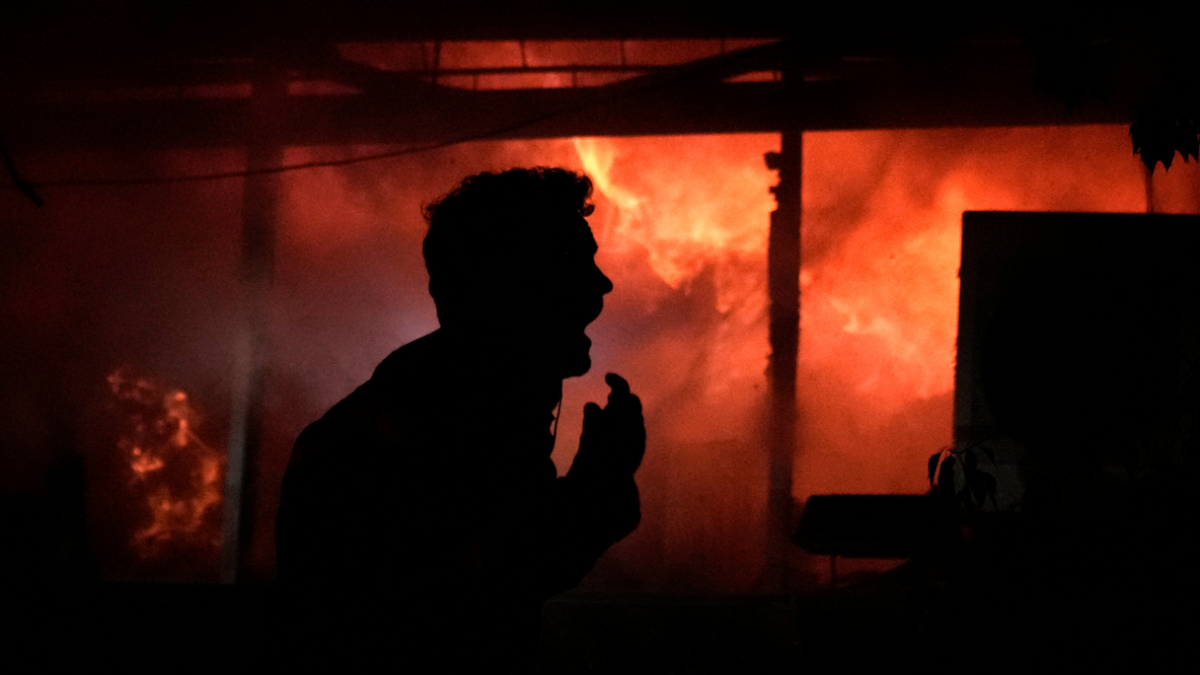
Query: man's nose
[[605, 284]]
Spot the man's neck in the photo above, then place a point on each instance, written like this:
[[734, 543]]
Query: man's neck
[[528, 373]]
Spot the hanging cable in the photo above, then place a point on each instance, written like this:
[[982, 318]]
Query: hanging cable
[[682, 72]]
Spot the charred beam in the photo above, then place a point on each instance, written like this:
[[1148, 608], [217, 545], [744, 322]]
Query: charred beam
[[783, 289], [418, 114]]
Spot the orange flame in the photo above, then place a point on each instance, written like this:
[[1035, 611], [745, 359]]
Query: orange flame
[[882, 236], [704, 206], [896, 287], [180, 475], [682, 225], [694, 208]]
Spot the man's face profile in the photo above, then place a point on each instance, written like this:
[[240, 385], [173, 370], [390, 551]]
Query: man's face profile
[[583, 287], [511, 263], [553, 299]]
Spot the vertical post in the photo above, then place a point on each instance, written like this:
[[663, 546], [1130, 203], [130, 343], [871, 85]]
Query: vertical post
[[783, 286], [260, 213], [1149, 179]]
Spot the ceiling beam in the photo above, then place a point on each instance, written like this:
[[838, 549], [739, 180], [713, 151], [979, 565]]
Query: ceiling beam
[[424, 115]]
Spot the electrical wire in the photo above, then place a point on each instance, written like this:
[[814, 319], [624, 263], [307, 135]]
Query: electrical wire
[[684, 71]]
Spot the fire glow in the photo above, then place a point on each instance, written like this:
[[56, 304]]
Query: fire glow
[[682, 224], [178, 474], [692, 207]]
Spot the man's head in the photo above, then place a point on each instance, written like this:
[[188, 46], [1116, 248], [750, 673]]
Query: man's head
[[510, 257]]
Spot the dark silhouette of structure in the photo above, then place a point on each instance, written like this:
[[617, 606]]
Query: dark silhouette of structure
[[422, 519]]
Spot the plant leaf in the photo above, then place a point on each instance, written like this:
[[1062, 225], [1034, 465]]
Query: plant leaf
[[945, 481], [989, 488], [964, 496], [978, 485]]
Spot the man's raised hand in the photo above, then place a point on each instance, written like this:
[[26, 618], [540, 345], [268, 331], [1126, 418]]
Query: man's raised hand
[[614, 437]]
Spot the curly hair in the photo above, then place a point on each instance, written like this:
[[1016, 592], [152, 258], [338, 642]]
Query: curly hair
[[495, 222]]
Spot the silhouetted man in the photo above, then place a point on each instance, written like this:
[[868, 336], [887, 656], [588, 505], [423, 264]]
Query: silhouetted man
[[422, 519]]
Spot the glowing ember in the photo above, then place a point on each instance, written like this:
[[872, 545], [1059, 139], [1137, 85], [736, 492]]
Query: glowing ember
[[178, 474]]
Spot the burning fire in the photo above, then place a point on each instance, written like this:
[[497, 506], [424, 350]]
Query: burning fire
[[682, 225], [179, 475], [695, 210], [691, 203], [882, 239], [895, 287]]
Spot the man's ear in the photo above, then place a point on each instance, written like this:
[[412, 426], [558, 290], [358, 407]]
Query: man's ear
[[505, 305]]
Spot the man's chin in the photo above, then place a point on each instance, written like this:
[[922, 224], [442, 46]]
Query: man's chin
[[577, 359], [575, 370]]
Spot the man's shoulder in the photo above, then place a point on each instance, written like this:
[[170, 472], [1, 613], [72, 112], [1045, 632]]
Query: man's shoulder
[[411, 364], [400, 383]]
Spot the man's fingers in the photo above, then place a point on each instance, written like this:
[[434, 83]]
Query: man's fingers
[[614, 437], [620, 396], [618, 385], [635, 403]]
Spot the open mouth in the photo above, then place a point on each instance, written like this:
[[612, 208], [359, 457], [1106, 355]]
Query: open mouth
[[594, 313]]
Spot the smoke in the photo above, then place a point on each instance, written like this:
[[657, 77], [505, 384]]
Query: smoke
[[148, 276], [97, 279], [681, 225], [883, 213]]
